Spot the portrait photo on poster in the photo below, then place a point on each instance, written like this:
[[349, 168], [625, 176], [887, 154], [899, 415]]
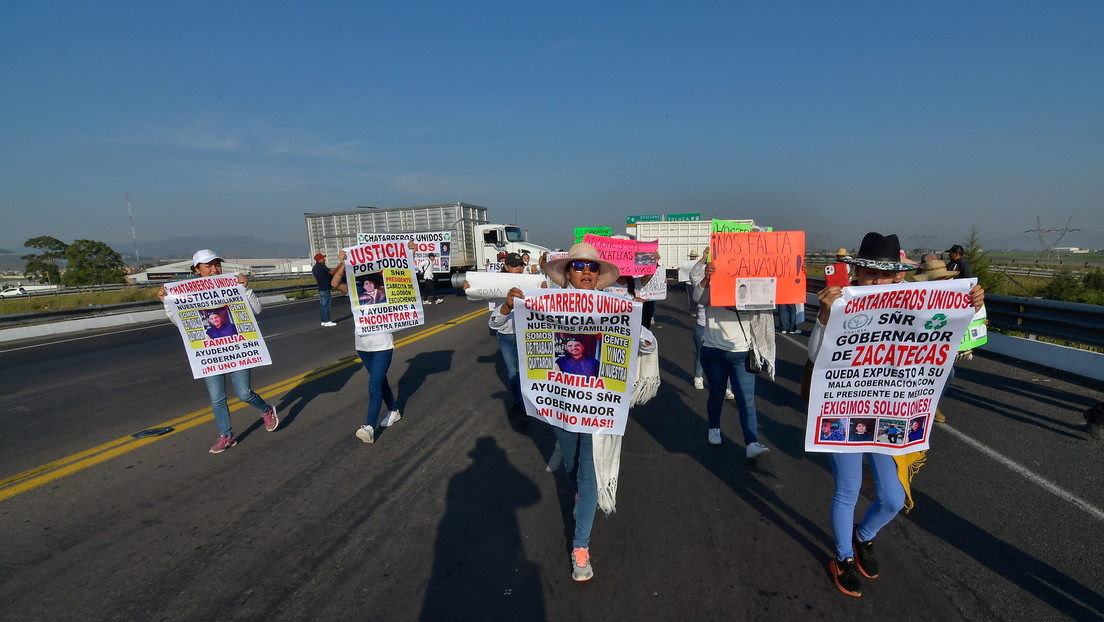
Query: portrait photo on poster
[[370, 289], [755, 294], [217, 322], [575, 354], [861, 430]]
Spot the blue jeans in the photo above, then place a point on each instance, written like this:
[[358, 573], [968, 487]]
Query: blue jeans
[[324, 303], [507, 345], [787, 317], [699, 333], [216, 388], [585, 482], [378, 390], [722, 367], [889, 497]]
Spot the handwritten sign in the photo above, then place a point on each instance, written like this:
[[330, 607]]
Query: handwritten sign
[[779, 255], [580, 232], [729, 226], [632, 258]]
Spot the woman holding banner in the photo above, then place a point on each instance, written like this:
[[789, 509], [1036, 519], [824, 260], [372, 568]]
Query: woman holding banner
[[206, 262], [878, 262], [375, 352], [581, 268], [731, 338]]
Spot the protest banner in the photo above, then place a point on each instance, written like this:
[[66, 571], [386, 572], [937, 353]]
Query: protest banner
[[884, 359], [976, 334], [654, 289], [632, 257], [383, 287], [495, 285], [577, 351], [437, 242], [494, 266], [580, 232], [778, 255], [219, 329], [728, 226]]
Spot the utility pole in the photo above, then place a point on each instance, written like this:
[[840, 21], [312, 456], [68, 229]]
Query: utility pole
[[132, 236]]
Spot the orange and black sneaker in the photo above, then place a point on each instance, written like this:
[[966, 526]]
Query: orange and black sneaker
[[864, 556], [845, 576]]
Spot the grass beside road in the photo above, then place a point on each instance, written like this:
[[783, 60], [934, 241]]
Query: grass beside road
[[130, 294]]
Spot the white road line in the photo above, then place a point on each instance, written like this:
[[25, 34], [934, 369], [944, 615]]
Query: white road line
[[1027, 474]]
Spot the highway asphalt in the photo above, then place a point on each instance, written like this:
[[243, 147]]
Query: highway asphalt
[[452, 515]]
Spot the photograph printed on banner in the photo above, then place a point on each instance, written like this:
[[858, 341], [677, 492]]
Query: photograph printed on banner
[[576, 354], [755, 294], [217, 322], [891, 430], [370, 289], [862, 430]]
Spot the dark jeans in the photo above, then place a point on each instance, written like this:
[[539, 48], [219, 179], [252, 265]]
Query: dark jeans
[[720, 367], [378, 390], [324, 304]]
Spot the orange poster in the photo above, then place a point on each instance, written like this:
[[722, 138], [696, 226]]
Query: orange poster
[[759, 254]]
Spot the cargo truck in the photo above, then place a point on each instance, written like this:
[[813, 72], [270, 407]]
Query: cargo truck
[[474, 240]]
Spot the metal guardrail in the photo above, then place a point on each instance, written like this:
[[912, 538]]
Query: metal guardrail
[[1035, 317], [44, 317]]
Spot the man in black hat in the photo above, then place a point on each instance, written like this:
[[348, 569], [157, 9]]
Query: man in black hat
[[959, 263]]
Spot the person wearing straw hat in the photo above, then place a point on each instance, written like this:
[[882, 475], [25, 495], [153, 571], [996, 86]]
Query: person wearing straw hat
[[935, 270], [878, 262], [595, 458]]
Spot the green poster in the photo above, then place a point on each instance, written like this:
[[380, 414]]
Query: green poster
[[582, 231], [727, 226]]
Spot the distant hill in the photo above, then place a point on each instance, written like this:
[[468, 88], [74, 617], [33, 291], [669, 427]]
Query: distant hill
[[227, 246]]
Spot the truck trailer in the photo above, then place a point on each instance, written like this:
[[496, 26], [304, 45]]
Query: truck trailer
[[474, 240], [677, 238]]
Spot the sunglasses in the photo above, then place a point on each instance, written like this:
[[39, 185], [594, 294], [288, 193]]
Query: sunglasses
[[579, 266]]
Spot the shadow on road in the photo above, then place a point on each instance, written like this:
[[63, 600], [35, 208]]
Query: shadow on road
[[418, 368], [1046, 583], [479, 566]]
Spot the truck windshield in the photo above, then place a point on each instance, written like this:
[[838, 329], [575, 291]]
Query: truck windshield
[[515, 234]]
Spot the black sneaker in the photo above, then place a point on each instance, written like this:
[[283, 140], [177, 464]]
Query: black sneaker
[[864, 556], [845, 576]]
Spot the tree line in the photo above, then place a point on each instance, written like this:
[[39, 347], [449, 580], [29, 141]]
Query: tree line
[[85, 262]]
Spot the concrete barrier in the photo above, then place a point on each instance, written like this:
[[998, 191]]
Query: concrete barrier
[[92, 323]]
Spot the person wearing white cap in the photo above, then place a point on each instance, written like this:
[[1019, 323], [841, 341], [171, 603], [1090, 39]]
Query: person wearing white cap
[[206, 262]]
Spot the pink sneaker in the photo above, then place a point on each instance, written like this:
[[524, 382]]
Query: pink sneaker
[[270, 419], [225, 441]]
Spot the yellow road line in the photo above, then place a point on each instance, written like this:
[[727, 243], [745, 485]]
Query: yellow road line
[[52, 471]]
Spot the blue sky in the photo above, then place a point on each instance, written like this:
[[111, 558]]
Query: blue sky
[[831, 117]]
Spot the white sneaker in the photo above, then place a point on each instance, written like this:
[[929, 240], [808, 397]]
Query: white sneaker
[[698, 384], [729, 395], [329, 323], [391, 419], [796, 331], [714, 436], [756, 451], [366, 433]]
